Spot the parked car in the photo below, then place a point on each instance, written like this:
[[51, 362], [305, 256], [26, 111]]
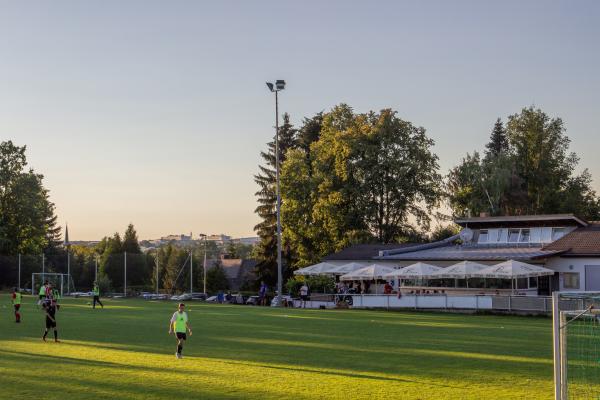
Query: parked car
[[82, 294], [199, 296], [238, 298], [252, 300], [185, 297], [286, 300]]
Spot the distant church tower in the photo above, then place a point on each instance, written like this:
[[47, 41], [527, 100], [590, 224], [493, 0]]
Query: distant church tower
[[67, 243]]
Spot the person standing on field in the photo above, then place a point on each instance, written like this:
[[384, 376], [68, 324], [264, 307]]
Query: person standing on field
[[16, 300], [96, 292], [180, 324], [303, 295], [262, 294], [56, 297], [42, 293], [49, 306]]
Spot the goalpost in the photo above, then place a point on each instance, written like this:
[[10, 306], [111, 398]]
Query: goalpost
[[59, 281], [576, 344]]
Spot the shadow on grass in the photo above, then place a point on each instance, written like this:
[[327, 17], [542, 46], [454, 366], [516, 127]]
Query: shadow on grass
[[347, 374], [95, 383]]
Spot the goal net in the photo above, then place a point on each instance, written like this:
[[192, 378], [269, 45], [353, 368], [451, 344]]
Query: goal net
[[59, 282], [576, 326]]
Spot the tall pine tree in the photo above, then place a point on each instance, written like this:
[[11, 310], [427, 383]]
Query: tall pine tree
[[130, 241], [266, 251], [498, 143]]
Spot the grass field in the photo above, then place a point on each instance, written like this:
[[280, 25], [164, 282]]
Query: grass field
[[124, 352]]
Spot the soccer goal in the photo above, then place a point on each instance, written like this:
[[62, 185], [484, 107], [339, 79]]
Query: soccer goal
[[576, 336], [59, 281]]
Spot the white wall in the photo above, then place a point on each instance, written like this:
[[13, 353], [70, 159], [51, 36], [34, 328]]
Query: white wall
[[440, 302], [561, 264]]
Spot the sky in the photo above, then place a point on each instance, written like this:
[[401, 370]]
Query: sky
[[154, 112]]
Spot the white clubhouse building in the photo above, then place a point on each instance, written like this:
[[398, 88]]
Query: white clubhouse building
[[563, 243]]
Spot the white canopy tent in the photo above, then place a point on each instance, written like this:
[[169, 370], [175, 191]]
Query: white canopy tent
[[345, 269], [461, 270], [414, 271], [368, 273], [512, 269], [317, 269]]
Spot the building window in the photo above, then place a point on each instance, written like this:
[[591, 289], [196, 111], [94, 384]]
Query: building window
[[522, 283], [525, 235], [533, 282], [513, 235], [557, 233], [571, 280], [499, 238], [483, 236]]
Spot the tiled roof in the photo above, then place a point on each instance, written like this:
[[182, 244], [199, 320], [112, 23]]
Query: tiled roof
[[475, 253], [581, 242], [363, 251]]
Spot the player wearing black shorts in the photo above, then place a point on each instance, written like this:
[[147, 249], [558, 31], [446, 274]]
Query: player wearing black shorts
[[180, 324], [49, 307]]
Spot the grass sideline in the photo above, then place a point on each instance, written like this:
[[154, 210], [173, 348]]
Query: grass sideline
[[243, 352]]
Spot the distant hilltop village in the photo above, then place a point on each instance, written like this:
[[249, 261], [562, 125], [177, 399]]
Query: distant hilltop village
[[182, 240], [185, 240]]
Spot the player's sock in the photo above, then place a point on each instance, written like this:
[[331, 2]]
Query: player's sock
[[45, 334], [179, 348], [55, 335]]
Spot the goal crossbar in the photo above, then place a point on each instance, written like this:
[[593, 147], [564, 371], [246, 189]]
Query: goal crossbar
[[43, 277]]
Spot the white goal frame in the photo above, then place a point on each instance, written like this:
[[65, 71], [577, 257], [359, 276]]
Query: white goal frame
[[43, 278], [559, 337]]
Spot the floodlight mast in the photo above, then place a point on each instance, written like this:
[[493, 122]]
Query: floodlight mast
[[204, 268], [279, 85]]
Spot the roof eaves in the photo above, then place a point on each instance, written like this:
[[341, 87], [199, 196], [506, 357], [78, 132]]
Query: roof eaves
[[448, 241], [513, 218], [551, 253], [569, 254]]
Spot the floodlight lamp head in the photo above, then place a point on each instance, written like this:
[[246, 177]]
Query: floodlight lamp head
[[280, 84], [270, 86]]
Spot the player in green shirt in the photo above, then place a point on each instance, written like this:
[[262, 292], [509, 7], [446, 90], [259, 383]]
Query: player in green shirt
[[96, 292], [180, 324], [42, 293], [16, 300], [56, 297]]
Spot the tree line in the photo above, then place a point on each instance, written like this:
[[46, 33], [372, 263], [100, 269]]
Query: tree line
[[170, 264], [30, 235], [346, 178], [373, 177]]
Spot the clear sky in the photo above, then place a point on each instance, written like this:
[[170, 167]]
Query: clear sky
[[154, 112]]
